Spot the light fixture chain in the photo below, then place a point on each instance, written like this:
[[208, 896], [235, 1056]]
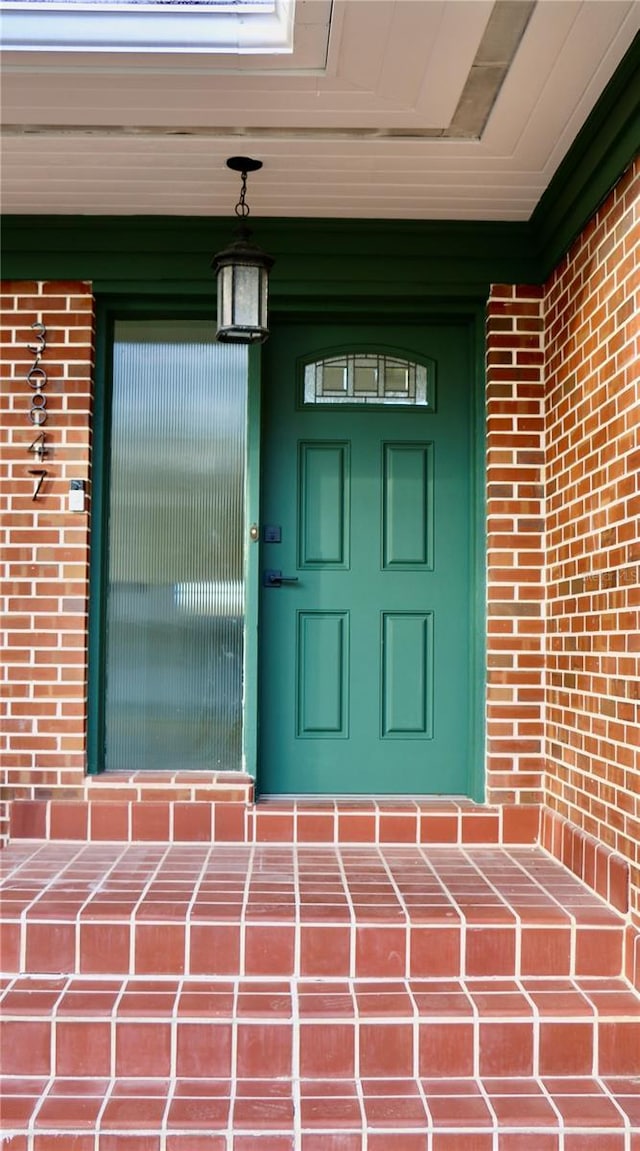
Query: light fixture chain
[[242, 208]]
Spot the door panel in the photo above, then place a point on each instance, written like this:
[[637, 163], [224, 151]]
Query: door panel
[[407, 505], [407, 674], [323, 505], [322, 674], [366, 655]]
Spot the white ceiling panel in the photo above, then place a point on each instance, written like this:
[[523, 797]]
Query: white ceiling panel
[[354, 123], [594, 38], [411, 39], [445, 71], [359, 67]]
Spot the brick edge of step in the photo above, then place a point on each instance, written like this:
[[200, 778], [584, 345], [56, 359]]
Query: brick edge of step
[[230, 818]]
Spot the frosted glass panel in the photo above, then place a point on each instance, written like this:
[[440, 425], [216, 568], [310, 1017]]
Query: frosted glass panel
[[175, 589]]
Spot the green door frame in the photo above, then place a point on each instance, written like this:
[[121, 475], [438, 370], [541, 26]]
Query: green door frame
[[108, 310], [252, 568], [471, 310]]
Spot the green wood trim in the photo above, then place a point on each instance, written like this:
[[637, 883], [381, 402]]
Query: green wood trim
[[98, 551], [316, 260], [602, 150], [252, 567], [477, 735]]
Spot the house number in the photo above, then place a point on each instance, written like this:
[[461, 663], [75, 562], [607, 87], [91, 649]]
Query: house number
[[37, 381]]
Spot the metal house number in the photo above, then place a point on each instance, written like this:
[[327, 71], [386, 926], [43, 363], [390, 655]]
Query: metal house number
[[37, 381]]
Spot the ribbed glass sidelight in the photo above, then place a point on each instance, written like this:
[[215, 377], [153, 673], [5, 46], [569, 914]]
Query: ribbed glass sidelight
[[175, 587]]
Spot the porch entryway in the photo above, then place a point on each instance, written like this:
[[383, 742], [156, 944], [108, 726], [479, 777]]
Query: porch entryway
[[347, 590]]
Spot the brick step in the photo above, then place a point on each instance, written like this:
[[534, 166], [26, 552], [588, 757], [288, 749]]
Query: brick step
[[148, 810], [311, 998], [417, 1114], [308, 911], [318, 1029], [419, 1064]]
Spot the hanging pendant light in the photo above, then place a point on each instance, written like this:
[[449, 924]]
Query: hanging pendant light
[[242, 272]]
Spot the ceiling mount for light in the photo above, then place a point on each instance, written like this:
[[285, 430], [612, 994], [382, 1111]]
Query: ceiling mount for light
[[243, 164], [242, 272]]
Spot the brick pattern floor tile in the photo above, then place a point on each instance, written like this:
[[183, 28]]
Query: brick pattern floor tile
[[397, 996]]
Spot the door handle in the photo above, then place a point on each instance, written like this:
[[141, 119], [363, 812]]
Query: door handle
[[274, 578]]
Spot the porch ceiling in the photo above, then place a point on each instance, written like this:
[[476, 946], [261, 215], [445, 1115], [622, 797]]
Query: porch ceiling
[[415, 109]]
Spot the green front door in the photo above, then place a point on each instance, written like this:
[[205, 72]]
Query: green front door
[[366, 655]]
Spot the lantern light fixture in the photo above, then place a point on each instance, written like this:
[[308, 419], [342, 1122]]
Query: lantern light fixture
[[242, 273]]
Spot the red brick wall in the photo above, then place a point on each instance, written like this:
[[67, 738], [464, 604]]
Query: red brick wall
[[515, 545], [44, 546], [563, 453], [592, 413]]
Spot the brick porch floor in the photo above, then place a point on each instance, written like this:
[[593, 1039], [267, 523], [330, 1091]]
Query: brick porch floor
[[313, 996]]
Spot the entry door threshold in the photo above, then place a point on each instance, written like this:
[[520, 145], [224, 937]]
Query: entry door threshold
[[371, 802], [388, 819]]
